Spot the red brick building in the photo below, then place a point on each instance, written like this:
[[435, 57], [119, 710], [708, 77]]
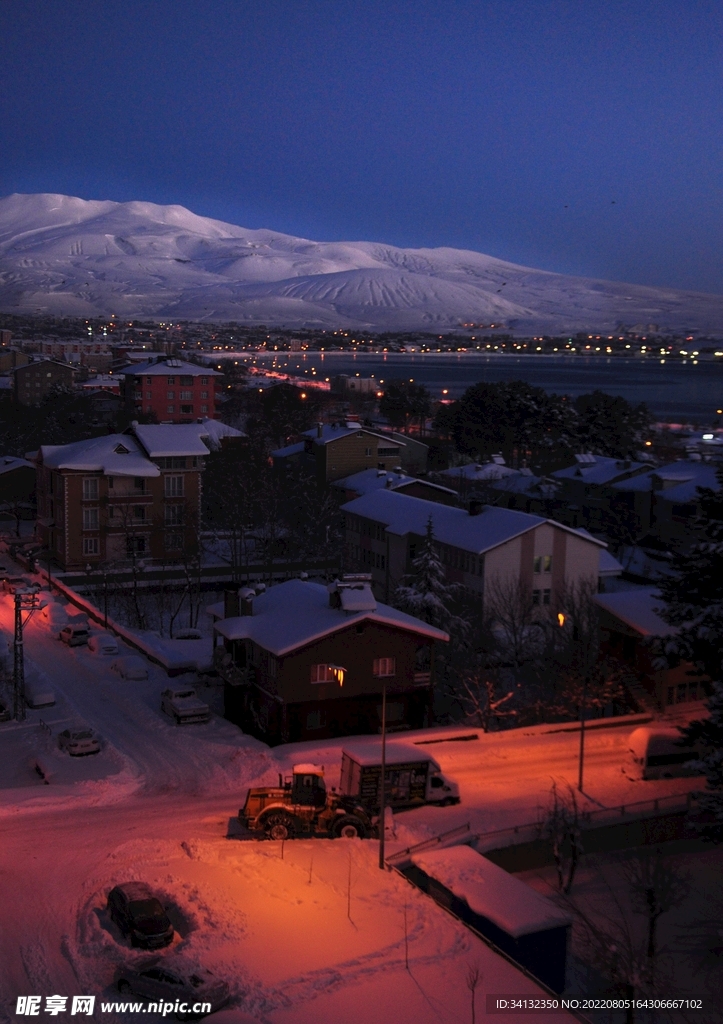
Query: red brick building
[[171, 389]]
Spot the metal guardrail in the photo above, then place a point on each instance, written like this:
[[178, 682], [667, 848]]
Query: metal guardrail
[[443, 839]]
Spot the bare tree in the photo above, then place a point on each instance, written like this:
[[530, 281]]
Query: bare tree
[[483, 699], [515, 623], [472, 980], [656, 886], [561, 826]]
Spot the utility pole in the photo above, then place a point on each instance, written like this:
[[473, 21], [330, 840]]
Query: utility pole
[[582, 733], [382, 781], [19, 664]]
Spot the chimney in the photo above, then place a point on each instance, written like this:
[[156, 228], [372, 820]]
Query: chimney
[[319, 429], [246, 599], [475, 507], [231, 604]]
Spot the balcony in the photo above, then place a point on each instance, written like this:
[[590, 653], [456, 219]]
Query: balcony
[[230, 673], [422, 678]]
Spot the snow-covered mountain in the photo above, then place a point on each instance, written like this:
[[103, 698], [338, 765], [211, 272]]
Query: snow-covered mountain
[[63, 255]]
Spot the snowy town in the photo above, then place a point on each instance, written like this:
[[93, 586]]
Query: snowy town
[[352, 702]]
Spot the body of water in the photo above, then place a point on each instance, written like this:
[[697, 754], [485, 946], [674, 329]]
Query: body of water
[[676, 390]]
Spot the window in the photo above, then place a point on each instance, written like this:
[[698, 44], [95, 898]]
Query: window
[[170, 395], [535, 597], [173, 486], [174, 515], [321, 674], [90, 518], [111, 483], [173, 542], [170, 380], [139, 512], [368, 451], [204, 394], [135, 545], [316, 720], [187, 409], [537, 564], [382, 452], [149, 380], [90, 545], [186, 396], [384, 667], [547, 563], [138, 396], [186, 382], [148, 395], [139, 484], [204, 380], [169, 408], [546, 596], [204, 408], [90, 488]]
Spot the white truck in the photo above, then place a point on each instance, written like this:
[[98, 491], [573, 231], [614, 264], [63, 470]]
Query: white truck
[[182, 704], [658, 752], [412, 776]]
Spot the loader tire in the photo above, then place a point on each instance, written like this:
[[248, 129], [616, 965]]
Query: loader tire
[[349, 827], [280, 826]]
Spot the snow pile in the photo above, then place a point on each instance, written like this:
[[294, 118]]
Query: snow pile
[[64, 255]]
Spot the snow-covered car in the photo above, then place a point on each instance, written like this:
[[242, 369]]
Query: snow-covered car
[[74, 636], [103, 643], [55, 614], [79, 742], [160, 980], [130, 666], [184, 706], [139, 914], [38, 694]]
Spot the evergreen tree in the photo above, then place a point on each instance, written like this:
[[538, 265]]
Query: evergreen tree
[[426, 594], [694, 604]]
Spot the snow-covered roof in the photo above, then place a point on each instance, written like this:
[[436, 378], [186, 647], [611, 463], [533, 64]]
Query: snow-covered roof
[[296, 613], [168, 439], [677, 482], [10, 462], [290, 449], [476, 472], [373, 479], [369, 752], [526, 482], [171, 368], [112, 455], [215, 431], [597, 469], [637, 609], [403, 514], [335, 431], [491, 892]]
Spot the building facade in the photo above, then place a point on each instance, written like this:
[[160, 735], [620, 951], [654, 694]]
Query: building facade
[[119, 499], [304, 661], [172, 390], [36, 380]]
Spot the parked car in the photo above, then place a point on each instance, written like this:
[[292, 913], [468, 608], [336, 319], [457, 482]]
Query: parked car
[[38, 694], [130, 666], [79, 742], [160, 981], [184, 706], [103, 643], [55, 615], [74, 636], [5, 712], [139, 914]]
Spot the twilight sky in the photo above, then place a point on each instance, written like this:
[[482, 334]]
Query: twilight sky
[[583, 136]]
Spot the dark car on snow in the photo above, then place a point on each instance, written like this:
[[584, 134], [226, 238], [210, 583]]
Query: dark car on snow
[[139, 914]]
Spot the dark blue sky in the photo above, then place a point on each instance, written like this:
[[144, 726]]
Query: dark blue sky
[[508, 127]]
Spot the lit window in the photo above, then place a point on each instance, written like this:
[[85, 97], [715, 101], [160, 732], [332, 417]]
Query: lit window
[[384, 667], [321, 674], [547, 563]]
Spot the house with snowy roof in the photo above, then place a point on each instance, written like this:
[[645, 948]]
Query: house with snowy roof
[[173, 390], [396, 480], [384, 532], [121, 497], [305, 661], [666, 499], [334, 450], [586, 489]]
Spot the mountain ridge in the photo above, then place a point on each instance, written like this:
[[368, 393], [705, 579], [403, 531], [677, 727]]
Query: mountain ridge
[[69, 256]]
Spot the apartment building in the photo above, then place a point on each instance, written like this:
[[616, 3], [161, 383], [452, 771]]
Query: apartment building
[[34, 381], [172, 390], [123, 497], [480, 547]]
